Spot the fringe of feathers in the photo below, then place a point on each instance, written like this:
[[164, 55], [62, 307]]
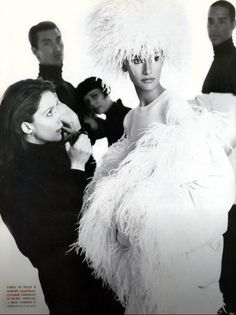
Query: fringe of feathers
[[166, 199], [122, 29]]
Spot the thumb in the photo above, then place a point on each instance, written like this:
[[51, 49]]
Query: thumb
[[67, 146]]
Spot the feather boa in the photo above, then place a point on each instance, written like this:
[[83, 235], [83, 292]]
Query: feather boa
[[147, 211]]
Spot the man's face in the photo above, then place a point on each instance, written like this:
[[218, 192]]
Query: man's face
[[219, 26], [97, 101], [49, 50]]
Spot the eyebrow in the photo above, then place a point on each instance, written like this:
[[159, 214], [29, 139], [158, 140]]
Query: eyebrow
[[218, 18], [49, 39], [44, 40]]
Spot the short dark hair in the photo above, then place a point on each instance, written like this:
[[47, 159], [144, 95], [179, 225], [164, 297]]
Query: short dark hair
[[89, 84], [19, 103], [227, 5], [42, 26]]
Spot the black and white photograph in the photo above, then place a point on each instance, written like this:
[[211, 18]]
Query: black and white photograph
[[117, 157]]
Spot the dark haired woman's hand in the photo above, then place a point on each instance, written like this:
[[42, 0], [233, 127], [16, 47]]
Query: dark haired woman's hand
[[69, 118], [79, 152]]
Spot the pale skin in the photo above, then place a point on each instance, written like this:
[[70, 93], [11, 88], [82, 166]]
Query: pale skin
[[145, 75], [47, 127]]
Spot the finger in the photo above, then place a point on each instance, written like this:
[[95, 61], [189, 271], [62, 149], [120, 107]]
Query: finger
[[67, 146]]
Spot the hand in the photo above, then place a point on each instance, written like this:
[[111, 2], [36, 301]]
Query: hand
[[91, 121], [69, 119], [79, 152]]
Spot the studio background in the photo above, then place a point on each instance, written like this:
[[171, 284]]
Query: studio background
[[18, 62]]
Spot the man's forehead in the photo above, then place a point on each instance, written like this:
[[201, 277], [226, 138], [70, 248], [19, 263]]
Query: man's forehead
[[48, 34], [218, 12]]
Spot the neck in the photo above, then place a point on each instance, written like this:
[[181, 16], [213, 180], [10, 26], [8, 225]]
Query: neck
[[147, 97], [224, 48], [50, 72]]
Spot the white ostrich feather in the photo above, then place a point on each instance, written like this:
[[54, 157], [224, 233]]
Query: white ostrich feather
[[122, 29], [168, 197]]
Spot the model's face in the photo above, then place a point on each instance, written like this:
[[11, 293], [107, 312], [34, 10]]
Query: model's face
[[49, 50], [219, 26], [145, 74], [47, 124], [97, 101]]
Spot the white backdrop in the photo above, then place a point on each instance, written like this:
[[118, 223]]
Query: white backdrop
[[17, 62]]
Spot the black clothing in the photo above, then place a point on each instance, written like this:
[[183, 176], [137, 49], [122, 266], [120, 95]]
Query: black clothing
[[112, 127], [221, 77], [65, 91], [228, 271], [114, 121], [40, 199], [67, 94]]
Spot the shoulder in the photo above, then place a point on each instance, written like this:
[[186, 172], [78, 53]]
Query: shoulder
[[129, 116], [178, 109], [121, 106]]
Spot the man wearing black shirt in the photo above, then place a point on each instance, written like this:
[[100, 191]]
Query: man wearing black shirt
[[221, 78]]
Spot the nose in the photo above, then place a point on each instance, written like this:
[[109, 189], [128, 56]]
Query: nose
[[57, 47], [58, 115], [212, 27], [147, 67]]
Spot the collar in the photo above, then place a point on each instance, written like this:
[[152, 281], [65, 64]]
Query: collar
[[224, 48], [115, 105], [49, 72]]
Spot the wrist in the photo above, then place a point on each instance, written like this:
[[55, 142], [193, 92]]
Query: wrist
[[77, 166]]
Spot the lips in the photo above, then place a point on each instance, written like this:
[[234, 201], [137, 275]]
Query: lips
[[148, 80], [214, 36], [57, 55]]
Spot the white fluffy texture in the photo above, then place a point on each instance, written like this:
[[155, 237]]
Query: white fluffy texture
[[120, 29], [150, 213]]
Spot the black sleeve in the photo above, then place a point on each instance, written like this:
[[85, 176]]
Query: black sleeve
[[42, 214]]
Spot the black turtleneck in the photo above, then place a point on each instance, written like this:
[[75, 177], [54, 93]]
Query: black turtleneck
[[111, 127], [221, 77], [40, 200], [114, 121], [65, 91]]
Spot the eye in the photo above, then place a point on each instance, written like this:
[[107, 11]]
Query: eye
[[156, 58], [50, 112], [137, 60]]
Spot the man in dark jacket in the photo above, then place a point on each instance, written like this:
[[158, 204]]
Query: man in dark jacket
[[94, 95], [221, 78]]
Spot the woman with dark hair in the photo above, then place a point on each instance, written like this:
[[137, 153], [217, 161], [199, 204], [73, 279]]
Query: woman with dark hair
[[41, 193]]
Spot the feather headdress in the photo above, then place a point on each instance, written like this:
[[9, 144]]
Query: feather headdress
[[122, 29]]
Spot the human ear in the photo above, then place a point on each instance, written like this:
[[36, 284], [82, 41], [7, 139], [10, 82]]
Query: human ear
[[35, 51], [26, 128], [124, 66], [233, 25]]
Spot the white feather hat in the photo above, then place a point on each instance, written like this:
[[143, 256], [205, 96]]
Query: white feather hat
[[121, 29]]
